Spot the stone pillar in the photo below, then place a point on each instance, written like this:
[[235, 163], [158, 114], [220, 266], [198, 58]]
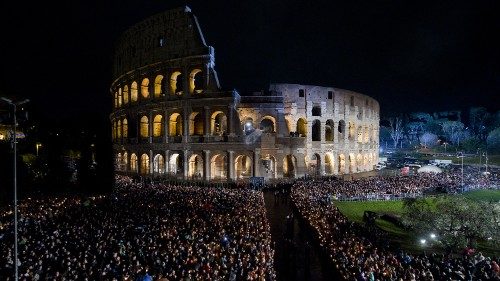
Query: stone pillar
[[206, 76], [185, 163], [166, 125], [322, 165], [230, 169], [206, 165], [230, 120], [256, 160], [151, 161], [150, 127], [167, 162], [185, 124], [185, 82], [206, 121], [323, 130], [335, 131]]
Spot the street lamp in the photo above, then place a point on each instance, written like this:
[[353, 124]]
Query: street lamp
[[38, 145], [14, 141]]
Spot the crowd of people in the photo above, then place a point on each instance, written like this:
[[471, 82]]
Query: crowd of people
[[142, 232], [357, 253]]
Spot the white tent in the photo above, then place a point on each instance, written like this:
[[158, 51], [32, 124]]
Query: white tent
[[430, 169]]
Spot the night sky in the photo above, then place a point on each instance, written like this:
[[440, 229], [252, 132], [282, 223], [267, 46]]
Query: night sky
[[410, 57]]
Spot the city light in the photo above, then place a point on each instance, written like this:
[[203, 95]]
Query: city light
[[433, 236], [423, 241]]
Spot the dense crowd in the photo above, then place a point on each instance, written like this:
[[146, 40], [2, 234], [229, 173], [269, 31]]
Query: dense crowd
[[357, 253], [142, 232]]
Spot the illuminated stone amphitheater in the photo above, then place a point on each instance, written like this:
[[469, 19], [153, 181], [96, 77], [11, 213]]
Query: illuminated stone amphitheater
[[171, 118]]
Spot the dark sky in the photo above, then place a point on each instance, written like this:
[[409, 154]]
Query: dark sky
[[410, 57]]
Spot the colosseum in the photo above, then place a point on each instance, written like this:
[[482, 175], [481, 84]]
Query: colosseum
[[171, 118]]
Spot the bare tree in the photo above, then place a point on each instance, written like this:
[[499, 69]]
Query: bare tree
[[396, 129]]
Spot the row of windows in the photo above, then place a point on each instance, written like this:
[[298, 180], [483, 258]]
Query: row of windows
[[127, 94], [330, 96]]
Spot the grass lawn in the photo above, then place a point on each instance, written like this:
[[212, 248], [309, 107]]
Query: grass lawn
[[399, 236]]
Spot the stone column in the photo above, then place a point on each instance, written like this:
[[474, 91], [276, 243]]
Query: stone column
[[150, 127], [335, 131], [230, 120], [206, 76], [166, 125], [185, 163], [185, 82], [256, 160], [206, 165], [206, 121], [230, 169], [151, 162], [167, 161], [185, 124]]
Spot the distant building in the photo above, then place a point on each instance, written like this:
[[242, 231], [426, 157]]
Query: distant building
[[170, 116]]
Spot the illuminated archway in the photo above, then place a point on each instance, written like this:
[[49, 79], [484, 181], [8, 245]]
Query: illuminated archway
[[157, 87], [176, 83], [144, 127], [118, 161], [360, 134], [268, 167], [124, 161], [218, 123], [302, 127], [125, 94], [359, 162], [218, 167], [158, 164], [133, 162], [195, 170], [329, 127], [267, 125], [341, 164], [366, 161], [125, 128], [196, 124], [175, 164], [352, 163], [144, 164], [329, 164], [248, 127], [195, 81], [290, 166], [175, 125], [316, 130], [315, 164], [243, 166], [158, 126], [352, 131], [133, 92], [119, 97], [145, 88]]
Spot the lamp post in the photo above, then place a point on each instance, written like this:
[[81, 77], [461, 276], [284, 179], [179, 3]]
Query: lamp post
[[14, 140], [38, 145]]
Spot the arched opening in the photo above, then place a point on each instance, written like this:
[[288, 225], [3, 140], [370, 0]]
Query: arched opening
[[124, 162], [341, 164], [116, 99], [144, 127], [144, 164], [119, 129], [329, 130], [359, 161], [268, 167], [352, 131], [370, 161], [341, 128], [352, 163], [158, 165], [145, 88], [365, 161], [196, 124], [175, 164], [119, 97], [133, 162], [316, 130], [316, 111], [302, 127], [366, 134], [133, 92], [371, 135], [125, 128], [195, 170], [267, 125], [158, 126], [218, 123], [248, 127], [290, 166], [175, 125], [360, 134], [315, 165], [157, 88], [329, 164], [243, 166], [195, 81], [218, 167], [176, 83], [125, 94], [118, 161]]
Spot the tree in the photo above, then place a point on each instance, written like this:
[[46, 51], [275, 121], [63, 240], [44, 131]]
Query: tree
[[428, 139], [478, 119], [453, 130], [493, 140], [396, 129], [385, 134]]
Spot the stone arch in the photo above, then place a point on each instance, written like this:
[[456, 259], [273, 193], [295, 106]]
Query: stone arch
[[316, 130], [243, 166], [125, 128], [175, 125], [248, 126], [196, 124], [352, 163], [133, 162], [125, 94], [341, 128], [124, 161], [302, 127], [133, 92], [359, 162], [329, 164], [352, 131], [341, 165], [158, 126], [267, 125], [144, 127], [119, 129], [218, 166], [176, 165], [144, 164], [218, 123], [290, 166], [329, 127], [196, 81], [145, 88], [158, 164], [176, 83], [158, 90], [268, 168], [366, 161], [315, 164], [360, 134], [196, 166]]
